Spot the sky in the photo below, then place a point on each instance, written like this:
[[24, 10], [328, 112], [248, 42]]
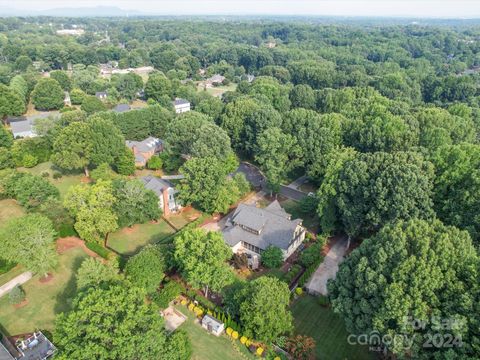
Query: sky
[[403, 8]]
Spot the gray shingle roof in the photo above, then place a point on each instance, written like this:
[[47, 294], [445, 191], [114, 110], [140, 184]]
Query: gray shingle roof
[[180, 102], [21, 126], [210, 320], [269, 226], [121, 108], [156, 184], [145, 145]]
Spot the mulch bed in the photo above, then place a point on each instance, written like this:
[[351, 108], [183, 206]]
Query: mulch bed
[[46, 279], [20, 305]]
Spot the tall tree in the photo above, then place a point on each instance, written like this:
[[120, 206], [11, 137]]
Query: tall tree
[[411, 271], [11, 102], [201, 259], [48, 95], [107, 141], [147, 268]]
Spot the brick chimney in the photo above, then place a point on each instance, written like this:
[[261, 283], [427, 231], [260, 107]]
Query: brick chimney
[[166, 209]]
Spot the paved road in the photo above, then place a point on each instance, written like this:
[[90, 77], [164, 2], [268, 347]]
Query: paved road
[[19, 280], [328, 268], [252, 174], [298, 182], [291, 193]]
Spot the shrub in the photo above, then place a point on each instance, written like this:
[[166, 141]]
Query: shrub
[[191, 306], [311, 255], [299, 291], [45, 174], [29, 160], [323, 300], [98, 249], [171, 290], [272, 257], [67, 229], [259, 351], [147, 268], [235, 335], [16, 295], [6, 266], [155, 163], [243, 339], [229, 331], [57, 175]]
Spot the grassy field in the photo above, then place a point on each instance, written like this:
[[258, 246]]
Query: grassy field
[[292, 207], [45, 300], [129, 241], [328, 330], [185, 217], [206, 346], [9, 209], [63, 184], [219, 90]]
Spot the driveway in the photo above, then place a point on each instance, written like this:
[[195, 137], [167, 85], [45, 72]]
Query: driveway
[[327, 270], [292, 193], [298, 182], [252, 174]]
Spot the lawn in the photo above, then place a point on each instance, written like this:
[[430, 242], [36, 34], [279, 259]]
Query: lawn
[[292, 207], [63, 184], [129, 241], [185, 217], [45, 300], [219, 90], [6, 277], [206, 346], [9, 209], [328, 330]]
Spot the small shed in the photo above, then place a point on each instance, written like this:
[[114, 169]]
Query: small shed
[[213, 325]]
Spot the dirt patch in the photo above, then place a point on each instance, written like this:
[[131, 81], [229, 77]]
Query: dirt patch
[[22, 304], [67, 243], [46, 279], [130, 230], [85, 180]]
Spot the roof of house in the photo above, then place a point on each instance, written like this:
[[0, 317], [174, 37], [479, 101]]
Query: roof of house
[[179, 101], [146, 145], [210, 320], [21, 126], [121, 108], [157, 185], [100, 93], [269, 226], [4, 354], [217, 78]]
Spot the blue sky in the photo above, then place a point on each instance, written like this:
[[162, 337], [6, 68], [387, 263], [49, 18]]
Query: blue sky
[[415, 8]]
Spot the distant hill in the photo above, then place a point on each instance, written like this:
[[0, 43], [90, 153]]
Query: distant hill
[[97, 11]]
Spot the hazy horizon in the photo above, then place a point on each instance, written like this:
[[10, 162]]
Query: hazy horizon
[[351, 8]]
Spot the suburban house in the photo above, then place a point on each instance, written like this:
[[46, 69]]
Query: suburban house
[[22, 127], [181, 105], [102, 95], [122, 108], [213, 325], [36, 346], [145, 149], [250, 230], [165, 191], [215, 80]]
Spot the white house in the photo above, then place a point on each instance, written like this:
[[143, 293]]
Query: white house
[[181, 105]]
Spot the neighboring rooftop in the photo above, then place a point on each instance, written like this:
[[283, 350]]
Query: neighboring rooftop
[[179, 101], [261, 227], [211, 321], [146, 145], [156, 184], [21, 126], [121, 108]]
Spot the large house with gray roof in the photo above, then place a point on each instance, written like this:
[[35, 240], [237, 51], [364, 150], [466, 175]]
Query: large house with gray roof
[[145, 149], [250, 230], [166, 193]]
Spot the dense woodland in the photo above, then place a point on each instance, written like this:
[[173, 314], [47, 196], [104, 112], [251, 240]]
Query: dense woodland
[[385, 120]]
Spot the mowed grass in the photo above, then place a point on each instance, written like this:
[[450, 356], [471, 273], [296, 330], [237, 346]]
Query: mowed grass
[[328, 330], [219, 90], [185, 217], [9, 209], [129, 241], [45, 300], [206, 346], [63, 184], [9, 275]]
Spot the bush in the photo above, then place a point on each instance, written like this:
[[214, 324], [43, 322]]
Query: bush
[[6, 266], [155, 163], [45, 174], [66, 230], [57, 175], [229, 331], [98, 249], [311, 255], [243, 339], [170, 291], [272, 257], [299, 291], [323, 300], [29, 161], [147, 268], [292, 274], [16, 295], [235, 335]]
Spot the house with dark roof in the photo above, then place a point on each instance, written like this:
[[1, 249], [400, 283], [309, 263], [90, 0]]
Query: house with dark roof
[[181, 105], [166, 193], [35, 347], [120, 108], [145, 149], [250, 230]]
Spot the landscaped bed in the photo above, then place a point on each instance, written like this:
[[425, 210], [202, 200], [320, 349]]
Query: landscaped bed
[[45, 300], [129, 241], [327, 329]]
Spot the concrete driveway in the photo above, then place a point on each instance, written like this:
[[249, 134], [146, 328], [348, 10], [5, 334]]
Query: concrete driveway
[[327, 270]]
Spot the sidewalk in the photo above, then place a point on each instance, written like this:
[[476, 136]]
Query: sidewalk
[[19, 280]]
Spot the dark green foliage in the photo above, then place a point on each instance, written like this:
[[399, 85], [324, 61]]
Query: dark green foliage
[[140, 124], [311, 255], [170, 291], [11, 102], [31, 191], [98, 249], [6, 159], [107, 141], [91, 104], [272, 257], [155, 163], [147, 268], [16, 295], [62, 78], [48, 95], [125, 164], [6, 138]]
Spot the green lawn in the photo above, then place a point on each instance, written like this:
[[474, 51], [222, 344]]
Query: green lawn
[[328, 330], [206, 346], [129, 241], [218, 90], [6, 277], [63, 184], [292, 207], [9, 209], [185, 217], [46, 300]]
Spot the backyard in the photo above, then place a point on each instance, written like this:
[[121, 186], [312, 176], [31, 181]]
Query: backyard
[[310, 221], [218, 90], [328, 330], [45, 300], [206, 346]]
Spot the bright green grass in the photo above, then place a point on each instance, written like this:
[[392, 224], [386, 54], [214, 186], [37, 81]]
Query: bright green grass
[[219, 90], [328, 330], [185, 217], [292, 207], [206, 346], [129, 242], [9, 209], [45, 301]]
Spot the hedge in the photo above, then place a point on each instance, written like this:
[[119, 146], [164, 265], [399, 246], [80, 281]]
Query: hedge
[[99, 249], [309, 272]]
